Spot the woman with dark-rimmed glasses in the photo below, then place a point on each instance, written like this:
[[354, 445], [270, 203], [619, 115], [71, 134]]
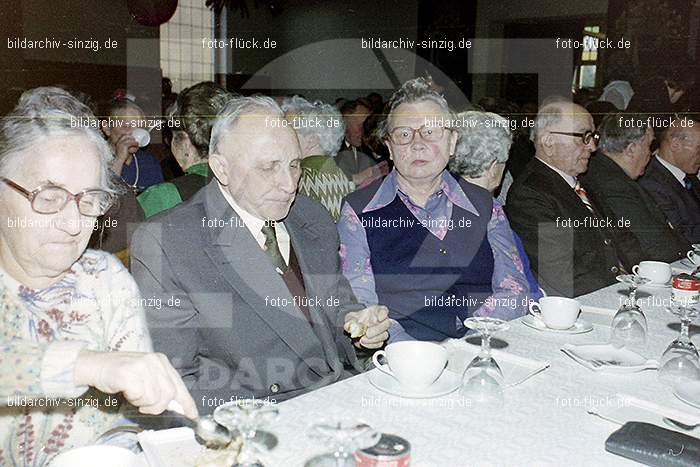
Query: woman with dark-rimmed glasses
[[72, 326], [435, 250]]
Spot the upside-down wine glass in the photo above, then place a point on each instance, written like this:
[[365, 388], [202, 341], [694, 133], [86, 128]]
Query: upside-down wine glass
[[247, 416], [345, 436], [629, 325], [680, 361], [483, 379]]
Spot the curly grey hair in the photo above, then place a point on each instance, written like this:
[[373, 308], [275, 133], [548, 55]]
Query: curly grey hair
[[617, 131], [484, 138], [412, 91], [51, 112], [304, 113], [261, 107]]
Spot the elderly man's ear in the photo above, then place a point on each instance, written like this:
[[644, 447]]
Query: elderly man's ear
[[219, 166]]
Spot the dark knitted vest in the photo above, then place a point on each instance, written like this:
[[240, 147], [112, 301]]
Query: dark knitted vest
[[429, 285]]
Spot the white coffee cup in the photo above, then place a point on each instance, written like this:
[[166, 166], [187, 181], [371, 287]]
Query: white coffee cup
[[556, 312], [656, 271], [694, 257], [415, 364], [143, 137], [101, 454]]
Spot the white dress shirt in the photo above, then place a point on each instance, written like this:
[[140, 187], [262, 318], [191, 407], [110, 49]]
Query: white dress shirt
[[677, 173], [255, 224], [571, 180]]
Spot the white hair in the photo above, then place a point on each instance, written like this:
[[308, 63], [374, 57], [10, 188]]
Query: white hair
[[484, 138], [303, 114], [50, 112], [262, 107]]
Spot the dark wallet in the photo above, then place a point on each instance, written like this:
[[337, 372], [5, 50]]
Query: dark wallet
[[653, 445]]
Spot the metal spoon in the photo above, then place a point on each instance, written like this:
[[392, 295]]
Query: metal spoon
[[206, 431], [676, 424]]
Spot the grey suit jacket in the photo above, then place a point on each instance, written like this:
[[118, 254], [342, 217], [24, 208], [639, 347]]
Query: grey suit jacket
[[226, 319]]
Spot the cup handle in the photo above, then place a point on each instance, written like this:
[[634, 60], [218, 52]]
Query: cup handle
[[383, 367], [635, 269], [691, 255], [535, 312]]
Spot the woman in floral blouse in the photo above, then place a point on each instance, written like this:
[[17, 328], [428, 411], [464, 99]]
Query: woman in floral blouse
[[72, 326]]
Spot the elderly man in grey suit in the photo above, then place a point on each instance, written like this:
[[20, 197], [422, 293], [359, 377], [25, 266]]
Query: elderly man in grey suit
[[244, 278]]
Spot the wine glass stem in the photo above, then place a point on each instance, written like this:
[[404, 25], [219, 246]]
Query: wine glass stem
[[633, 295], [485, 344], [685, 325]]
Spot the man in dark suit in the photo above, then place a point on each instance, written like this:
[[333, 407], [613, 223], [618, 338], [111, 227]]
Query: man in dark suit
[[573, 249], [625, 150], [252, 300], [672, 177]]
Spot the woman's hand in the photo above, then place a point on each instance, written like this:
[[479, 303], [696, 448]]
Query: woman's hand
[[147, 380], [124, 149]]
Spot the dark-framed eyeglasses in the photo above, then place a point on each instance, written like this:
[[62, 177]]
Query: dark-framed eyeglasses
[[50, 199], [403, 135], [586, 137]]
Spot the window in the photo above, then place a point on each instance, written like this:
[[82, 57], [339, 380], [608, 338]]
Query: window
[[585, 73], [183, 59]]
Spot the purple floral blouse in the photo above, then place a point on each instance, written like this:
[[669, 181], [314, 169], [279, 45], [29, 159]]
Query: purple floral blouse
[[510, 287]]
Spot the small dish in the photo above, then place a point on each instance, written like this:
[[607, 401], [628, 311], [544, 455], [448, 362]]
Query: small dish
[[579, 327], [607, 358], [448, 382], [689, 393], [655, 285]]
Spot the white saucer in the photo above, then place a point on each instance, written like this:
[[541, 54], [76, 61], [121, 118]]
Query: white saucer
[[579, 327], [448, 382], [655, 285], [689, 393], [625, 360]]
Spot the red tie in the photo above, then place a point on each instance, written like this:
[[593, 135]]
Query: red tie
[[581, 192]]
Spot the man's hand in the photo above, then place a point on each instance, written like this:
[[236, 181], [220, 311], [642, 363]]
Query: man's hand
[[369, 327], [147, 380]]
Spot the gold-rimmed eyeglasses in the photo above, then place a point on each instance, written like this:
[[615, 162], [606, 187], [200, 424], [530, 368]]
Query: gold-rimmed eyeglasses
[[50, 199], [403, 135]]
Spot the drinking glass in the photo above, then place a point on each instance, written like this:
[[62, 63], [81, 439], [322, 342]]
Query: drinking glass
[[247, 416], [629, 325], [345, 436], [483, 378], [680, 361]]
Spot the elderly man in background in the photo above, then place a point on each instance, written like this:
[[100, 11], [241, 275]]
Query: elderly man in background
[[251, 273], [320, 130], [623, 155], [672, 176], [572, 247], [433, 249]]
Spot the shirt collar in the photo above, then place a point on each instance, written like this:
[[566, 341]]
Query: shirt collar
[[677, 173], [571, 180], [448, 184], [253, 223]]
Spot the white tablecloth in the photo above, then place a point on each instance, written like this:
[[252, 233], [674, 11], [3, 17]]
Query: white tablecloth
[[544, 421]]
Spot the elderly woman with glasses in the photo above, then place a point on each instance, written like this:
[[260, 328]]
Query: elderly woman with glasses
[[73, 330], [433, 249]]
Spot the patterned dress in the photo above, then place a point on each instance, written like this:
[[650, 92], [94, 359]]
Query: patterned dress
[[322, 180], [95, 306]]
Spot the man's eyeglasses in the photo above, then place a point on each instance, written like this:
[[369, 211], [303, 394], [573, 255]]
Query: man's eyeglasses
[[403, 135], [50, 199], [586, 137]]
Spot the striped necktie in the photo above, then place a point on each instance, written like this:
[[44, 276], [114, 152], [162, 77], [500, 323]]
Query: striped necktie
[[272, 247], [581, 192]]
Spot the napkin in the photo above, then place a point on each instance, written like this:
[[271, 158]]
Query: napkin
[[516, 369], [623, 408], [652, 445]]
